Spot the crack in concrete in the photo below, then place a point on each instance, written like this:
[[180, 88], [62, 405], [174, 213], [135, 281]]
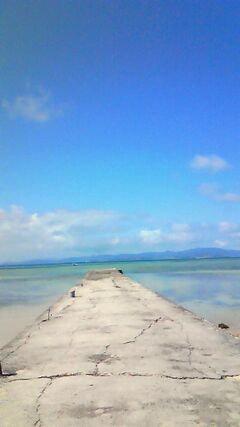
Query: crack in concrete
[[96, 370], [36, 327], [130, 374], [190, 349], [21, 344], [59, 315], [74, 331], [143, 330], [115, 284], [38, 422], [221, 377]]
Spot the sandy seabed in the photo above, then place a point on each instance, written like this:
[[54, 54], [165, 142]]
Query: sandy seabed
[[15, 318]]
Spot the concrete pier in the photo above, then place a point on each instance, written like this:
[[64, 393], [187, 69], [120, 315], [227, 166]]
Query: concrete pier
[[113, 353]]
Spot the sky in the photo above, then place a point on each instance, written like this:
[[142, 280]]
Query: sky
[[119, 126]]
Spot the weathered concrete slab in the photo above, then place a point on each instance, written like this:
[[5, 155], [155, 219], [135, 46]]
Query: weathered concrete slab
[[103, 274], [119, 355]]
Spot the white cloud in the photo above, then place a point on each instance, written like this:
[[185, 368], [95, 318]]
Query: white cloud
[[54, 234], [229, 231], [180, 227], [115, 241], [65, 233], [225, 226], [212, 163], [220, 243], [37, 108], [181, 236], [176, 233], [228, 197], [211, 191], [207, 188], [151, 236], [236, 235]]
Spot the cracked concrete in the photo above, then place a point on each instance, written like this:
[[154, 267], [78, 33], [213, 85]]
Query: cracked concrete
[[38, 422], [142, 331], [119, 355]]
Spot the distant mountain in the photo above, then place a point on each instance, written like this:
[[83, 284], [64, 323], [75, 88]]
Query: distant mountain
[[196, 253], [154, 256]]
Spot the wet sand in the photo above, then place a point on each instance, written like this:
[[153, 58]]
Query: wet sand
[[15, 318]]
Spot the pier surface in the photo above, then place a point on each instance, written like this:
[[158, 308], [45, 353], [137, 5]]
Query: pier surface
[[117, 354]]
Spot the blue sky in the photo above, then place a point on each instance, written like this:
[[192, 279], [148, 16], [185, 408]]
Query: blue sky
[[119, 126]]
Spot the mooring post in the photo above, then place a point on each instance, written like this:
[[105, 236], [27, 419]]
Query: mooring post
[[1, 372]]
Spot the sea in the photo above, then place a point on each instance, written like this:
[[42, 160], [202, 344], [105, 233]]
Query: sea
[[208, 287]]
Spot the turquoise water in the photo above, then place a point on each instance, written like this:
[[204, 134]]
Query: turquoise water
[[210, 288]]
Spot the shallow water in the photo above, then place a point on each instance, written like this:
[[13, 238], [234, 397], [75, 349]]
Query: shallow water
[[210, 288]]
